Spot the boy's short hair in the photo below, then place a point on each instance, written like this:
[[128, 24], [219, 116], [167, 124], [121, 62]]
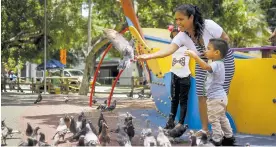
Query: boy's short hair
[[221, 45]]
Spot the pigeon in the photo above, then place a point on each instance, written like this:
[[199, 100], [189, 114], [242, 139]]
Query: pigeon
[[146, 131], [39, 98], [177, 131], [79, 121], [99, 122], [35, 133], [141, 94], [150, 140], [10, 130], [78, 134], [128, 118], [122, 137], [101, 107], [162, 140], [81, 141], [30, 142], [92, 127], [104, 136], [41, 141], [146, 135], [130, 130], [73, 125], [112, 106], [82, 129], [66, 99], [4, 135], [60, 131], [90, 139], [122, 45], [193, 139], [67, 120], [29, 130], [199, 141], [42, 137]]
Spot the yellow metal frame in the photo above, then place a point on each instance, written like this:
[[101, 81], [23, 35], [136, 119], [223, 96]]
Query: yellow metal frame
[[158, 66]]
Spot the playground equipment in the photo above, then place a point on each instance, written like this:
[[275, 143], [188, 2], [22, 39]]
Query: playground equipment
[[252, 96]]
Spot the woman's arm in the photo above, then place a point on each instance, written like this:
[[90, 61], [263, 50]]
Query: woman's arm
[[159, 54]]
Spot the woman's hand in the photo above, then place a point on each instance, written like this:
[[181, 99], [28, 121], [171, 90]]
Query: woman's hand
[[190, 53], [143, 57]]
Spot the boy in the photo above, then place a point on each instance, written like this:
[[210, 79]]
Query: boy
[[213, 89]]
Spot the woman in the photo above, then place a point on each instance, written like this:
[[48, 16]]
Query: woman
[[195, 34], [180, 83]]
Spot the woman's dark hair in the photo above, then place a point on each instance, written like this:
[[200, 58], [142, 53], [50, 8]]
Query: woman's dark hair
[[188, 10]]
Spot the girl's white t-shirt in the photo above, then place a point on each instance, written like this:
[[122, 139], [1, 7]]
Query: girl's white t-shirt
[[180, 63]]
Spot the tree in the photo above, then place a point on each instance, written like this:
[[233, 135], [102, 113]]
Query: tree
[[243, 21], [22, 28]]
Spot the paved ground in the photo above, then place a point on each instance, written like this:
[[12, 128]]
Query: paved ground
[[18, 109]]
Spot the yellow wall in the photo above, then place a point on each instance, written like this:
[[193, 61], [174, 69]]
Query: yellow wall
[[252, 91]]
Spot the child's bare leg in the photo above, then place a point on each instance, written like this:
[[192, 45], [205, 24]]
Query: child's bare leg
[[203, 112]]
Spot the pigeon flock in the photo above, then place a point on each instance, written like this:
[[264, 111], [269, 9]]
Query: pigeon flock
[[80, 131]]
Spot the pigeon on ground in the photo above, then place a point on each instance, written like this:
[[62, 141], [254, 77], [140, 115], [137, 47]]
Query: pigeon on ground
[[29, 130], [112, 106], [104, 136], [130, 130], [176, 131], [99, 122], [41, 141], [90, 138], [162, 140], [73, 125], [39, 98], [122, 137], [66, 99], [30, 142], [81, 141], [92, 127], [60, 132]]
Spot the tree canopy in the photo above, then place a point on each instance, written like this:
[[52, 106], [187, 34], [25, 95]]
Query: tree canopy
[[247, 22]]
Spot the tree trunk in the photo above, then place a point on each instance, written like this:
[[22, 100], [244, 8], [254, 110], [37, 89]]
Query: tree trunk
[[88, 70]]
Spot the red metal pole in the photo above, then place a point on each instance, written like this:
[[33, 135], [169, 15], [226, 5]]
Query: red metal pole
[[98, 68], [113, 86]]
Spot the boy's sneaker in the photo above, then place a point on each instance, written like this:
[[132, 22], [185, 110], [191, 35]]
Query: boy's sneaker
[[228, 141]]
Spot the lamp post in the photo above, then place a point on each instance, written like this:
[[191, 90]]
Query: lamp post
[[45, 45]]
